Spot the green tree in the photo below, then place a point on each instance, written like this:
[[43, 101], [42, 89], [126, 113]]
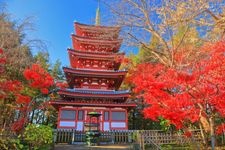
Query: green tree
[[56, 71], [145, 53], [42, 58]]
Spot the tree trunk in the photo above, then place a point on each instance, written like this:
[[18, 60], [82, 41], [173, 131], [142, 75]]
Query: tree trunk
[[32, 117], [212, 132], [203, 135]]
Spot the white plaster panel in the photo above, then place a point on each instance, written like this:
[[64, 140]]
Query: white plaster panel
[[80, 125], [106, 126], [67, 123], [118, 124]]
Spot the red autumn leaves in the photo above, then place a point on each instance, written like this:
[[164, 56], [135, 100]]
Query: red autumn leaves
[[182, 95], [162, 88], [220, 129], [38, 78], [2, 61]]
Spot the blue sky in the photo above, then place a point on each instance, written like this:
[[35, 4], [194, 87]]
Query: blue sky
[[53, 20]]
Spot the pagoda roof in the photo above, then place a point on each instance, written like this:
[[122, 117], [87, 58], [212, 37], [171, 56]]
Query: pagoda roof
[[77, 92], [77, 95], [96, 41], [97, 28], [95, 55], [60, 103], [95, 72]]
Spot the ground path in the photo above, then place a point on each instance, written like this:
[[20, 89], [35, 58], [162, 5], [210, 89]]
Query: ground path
[[85, 147]]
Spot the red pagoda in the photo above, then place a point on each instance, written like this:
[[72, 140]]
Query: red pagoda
[[94, 80]]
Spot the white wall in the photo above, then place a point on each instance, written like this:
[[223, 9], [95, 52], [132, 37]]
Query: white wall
[[80, 125], [67, 123], [118, 124], [106, 126]]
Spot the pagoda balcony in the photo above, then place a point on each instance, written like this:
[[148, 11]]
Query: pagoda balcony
[[84, 44], [96, 32], [91, 60], [99, 78]]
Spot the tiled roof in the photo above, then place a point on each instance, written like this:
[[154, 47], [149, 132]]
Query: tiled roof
[[105, 92], [84, 69]]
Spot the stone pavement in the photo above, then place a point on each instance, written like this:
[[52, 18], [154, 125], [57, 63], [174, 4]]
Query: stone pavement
[[85, 147]]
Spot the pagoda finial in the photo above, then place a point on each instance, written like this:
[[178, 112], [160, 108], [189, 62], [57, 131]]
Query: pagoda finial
[[97, 17]]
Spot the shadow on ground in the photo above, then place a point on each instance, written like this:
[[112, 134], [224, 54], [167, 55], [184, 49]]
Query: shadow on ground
[[85, 147]]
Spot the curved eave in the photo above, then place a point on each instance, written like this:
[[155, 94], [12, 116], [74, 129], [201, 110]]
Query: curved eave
[[97, 28], [94, 73], [92, 52], [77, 94], [82, 54], [60, 103], [96, 41]]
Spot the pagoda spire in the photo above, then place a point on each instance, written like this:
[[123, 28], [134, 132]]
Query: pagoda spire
[[97, 17]]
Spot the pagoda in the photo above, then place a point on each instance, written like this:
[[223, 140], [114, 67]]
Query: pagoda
[[94, 80]]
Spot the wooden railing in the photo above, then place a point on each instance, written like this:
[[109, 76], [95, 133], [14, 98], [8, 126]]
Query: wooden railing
[[158, 137], [63, 135], [122, 137], [73, 136], [151, 137], [162, 137]]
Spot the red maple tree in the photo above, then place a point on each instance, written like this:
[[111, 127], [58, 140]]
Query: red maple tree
[[185, 95], [37, 78]]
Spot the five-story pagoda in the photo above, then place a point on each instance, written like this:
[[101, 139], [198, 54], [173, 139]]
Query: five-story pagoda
[[94, 80]]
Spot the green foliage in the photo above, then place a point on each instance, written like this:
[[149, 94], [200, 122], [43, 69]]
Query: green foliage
[[56, 71], [42, 58], [10, 144], [135, 136], [137, 121], [165, 126], [38, 136], [145, 51], [19, 56], [176, 146]]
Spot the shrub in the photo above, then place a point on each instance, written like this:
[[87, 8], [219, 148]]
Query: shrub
[[38, 136], [9, 144]]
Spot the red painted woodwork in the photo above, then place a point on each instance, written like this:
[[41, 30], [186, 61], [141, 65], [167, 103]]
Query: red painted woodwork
[[85, 44], [98, 32], [59, 118], [87, 119], [59, 103], [95, 60], [94, 78], [114, 78], [92, 95]]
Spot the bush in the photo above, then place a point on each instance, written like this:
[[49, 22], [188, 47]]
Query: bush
[[9, 144], [38, 136]]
